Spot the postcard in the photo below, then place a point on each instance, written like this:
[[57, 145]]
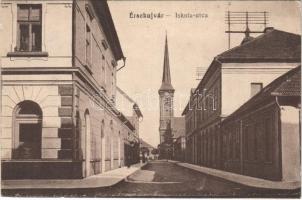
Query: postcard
[[169, 99]]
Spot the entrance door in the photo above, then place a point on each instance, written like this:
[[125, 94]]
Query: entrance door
[[27, 131], [30, 141]]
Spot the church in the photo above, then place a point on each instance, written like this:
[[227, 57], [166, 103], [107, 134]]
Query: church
[[167, 122]]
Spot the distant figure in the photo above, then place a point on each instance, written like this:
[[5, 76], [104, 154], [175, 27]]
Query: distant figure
[[143, 158], [128, 161]]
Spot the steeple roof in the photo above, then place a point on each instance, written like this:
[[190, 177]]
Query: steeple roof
[[166, 80]]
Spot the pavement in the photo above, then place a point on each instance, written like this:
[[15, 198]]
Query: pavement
[[106, 179], [161, 179], [241, 179]]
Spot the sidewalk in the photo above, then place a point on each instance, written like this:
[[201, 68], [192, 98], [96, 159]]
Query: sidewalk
[[106, 179], [241, 179]]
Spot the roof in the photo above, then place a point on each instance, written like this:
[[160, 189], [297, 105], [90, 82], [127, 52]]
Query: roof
[[145, 144], [126, 104], [106, 21], [273, 45], [289, 84], [126, 121], [178, 126], [166, 81]]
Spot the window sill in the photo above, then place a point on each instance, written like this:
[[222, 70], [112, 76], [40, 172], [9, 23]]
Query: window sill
[[27, 54]]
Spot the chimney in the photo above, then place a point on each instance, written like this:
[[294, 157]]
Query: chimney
[[268, 29], [247, 37]]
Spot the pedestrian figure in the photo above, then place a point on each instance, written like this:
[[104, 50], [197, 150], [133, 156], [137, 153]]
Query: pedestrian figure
[[144, 160], [128, 161]]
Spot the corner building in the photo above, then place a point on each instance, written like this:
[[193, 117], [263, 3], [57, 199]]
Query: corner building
[[59, 63]]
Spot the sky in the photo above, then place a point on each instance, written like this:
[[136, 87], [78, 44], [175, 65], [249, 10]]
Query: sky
[[193, 43]]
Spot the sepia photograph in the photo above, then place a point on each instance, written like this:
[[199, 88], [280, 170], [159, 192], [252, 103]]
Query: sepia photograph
[[150, 99]]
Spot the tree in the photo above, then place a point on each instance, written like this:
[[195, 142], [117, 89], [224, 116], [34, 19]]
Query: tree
[[154, 151], [166, 147], [145, 150], [168, 136]]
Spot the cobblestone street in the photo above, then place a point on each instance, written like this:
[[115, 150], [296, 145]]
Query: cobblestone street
[[162, 178]]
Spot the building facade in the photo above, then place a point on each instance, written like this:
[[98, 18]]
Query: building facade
[[262, 137], [130, 109], [58, 95], [232, 79]]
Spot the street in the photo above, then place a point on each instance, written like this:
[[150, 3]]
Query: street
[[162, 179]]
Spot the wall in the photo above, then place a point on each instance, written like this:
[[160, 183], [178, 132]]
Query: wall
[[237, 79], [290, 143], [109, 154], [41, 88], [251, 142], [56, 34], [202, 118], [48, 98], [101, 68]]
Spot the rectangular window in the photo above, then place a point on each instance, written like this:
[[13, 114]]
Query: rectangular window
[[88, 46], [255, 88], [103, 62], [29, 25]]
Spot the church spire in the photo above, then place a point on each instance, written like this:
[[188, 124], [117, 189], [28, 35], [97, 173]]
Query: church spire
[[166, 80]]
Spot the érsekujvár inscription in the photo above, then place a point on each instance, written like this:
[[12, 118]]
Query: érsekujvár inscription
[[150, 98]]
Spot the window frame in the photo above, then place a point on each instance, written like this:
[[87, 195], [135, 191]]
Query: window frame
[[88, 46], [256, 84], [30, 24], [16, 52]]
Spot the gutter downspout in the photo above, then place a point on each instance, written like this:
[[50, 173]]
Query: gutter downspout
[[241, 148], [279, 163]]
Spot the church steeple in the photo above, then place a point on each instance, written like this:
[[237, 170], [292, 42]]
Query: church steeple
[[166, 94], [166, 80]]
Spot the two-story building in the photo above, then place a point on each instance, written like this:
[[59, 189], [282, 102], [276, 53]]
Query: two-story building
[[232, 79], [59, 64]]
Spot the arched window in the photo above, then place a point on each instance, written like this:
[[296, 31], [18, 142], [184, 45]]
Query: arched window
[[27, 119]]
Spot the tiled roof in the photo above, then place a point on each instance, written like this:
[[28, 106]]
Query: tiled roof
[[290, 87], [289, 84], [274, 45]]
